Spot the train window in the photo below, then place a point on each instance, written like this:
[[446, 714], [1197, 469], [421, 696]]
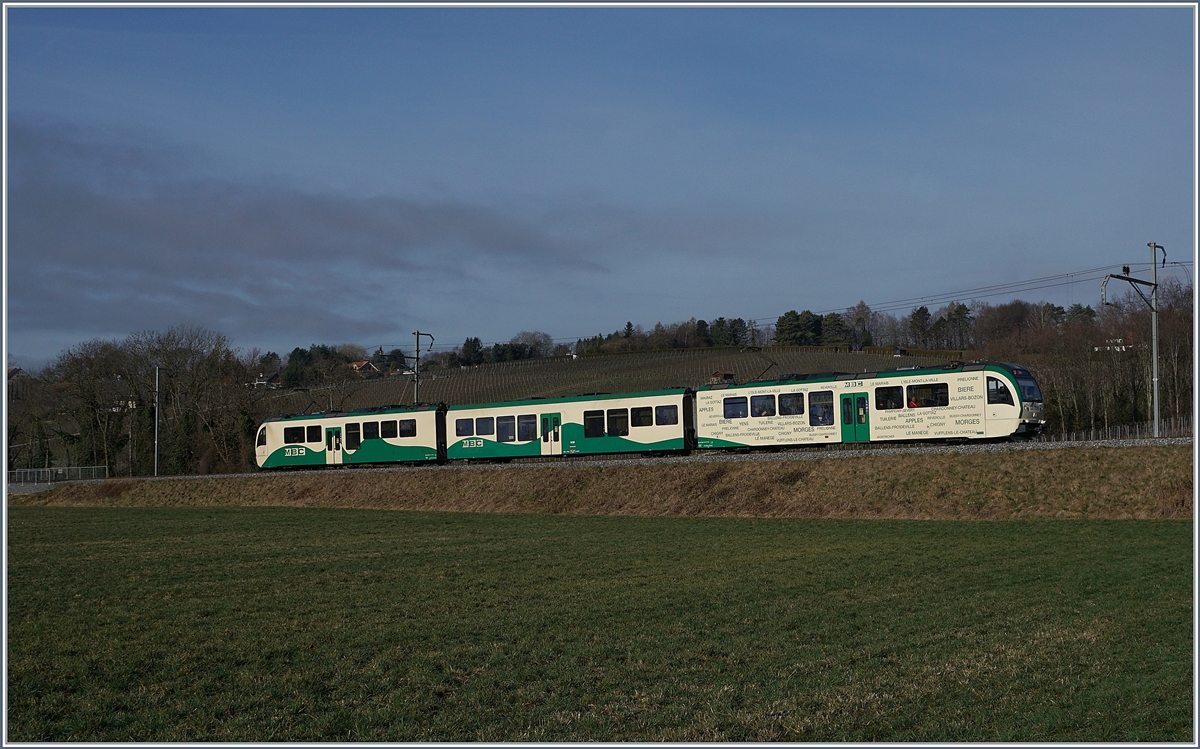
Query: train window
[[506, 428], [1029, 389], [762, 405], [641, 417], [593, 423], [387, 429], [820, 408], [353, 438], [293, 435], [791, 404], [666, 415], [485, 425], [928, 396], [847, 411], [262, 437], [314, 433], [997, 392], [618, 422], [370, 430], [527, 428], [464, 428], [889, 398], [408, 427], [736, 408]]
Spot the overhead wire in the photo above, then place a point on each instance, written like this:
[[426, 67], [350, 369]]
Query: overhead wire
[[978, 292]]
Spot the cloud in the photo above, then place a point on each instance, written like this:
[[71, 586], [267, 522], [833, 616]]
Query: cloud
[[108, 236], [114, 231]]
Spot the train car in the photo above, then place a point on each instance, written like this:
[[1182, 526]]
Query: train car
[[975, 401], [380, 435], [652, 422]]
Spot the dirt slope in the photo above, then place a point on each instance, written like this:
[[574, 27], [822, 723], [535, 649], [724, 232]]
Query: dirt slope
[[1140, 482]]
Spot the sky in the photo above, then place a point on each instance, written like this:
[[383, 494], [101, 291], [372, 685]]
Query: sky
[[297, 175]]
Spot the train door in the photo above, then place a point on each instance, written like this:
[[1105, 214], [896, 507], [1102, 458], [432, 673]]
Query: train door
[[856, 418], [333, 445], [551, 434]]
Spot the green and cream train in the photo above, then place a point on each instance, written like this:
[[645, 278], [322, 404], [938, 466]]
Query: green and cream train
[[975, 401]]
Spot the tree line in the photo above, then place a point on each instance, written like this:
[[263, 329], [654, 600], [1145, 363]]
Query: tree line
[[96, 401]]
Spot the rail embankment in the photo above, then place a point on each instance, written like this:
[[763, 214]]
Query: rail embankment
[[1138, 482]]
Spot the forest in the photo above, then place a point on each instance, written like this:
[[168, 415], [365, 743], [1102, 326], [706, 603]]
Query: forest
[[96, 403]]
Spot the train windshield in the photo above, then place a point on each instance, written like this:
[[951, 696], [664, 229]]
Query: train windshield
[[1029, 390]]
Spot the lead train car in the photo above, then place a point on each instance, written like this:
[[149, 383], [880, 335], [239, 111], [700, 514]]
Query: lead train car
[[981, 400], [660, 421], [382, 435]]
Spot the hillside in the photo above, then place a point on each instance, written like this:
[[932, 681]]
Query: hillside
[[1069, 482]]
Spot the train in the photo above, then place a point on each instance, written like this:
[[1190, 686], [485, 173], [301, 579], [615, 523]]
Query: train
[[973, 401]]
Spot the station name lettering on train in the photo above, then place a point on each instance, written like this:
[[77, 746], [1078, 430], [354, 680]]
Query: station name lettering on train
[[958, 402]]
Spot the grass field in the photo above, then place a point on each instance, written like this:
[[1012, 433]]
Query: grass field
[[246, 624]]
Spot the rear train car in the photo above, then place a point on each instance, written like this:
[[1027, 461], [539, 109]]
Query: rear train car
[[382, 435], [975, 401]]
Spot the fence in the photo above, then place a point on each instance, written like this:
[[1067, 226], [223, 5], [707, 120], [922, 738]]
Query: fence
[[1178, 427], [48, 475]]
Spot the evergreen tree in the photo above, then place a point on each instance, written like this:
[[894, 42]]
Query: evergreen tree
[[918, 326], [787, 329], [834, 331], [809, 326], [739, 333], [472, 352], [719, 330]]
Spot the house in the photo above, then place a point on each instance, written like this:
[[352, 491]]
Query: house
[[719, 378], [365, 368], [269, 380]]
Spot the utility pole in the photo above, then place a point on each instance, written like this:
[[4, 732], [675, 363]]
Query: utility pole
[[417, 365], [1152, 303], [156, 419]]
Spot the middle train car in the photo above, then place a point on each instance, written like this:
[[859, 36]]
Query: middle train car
[[658, 421]]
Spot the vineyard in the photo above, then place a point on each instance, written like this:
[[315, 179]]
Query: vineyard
[[608, 373]]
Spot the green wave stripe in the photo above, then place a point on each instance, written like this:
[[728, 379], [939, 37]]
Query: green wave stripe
[[280, 459], [599, 445], [381, 451]]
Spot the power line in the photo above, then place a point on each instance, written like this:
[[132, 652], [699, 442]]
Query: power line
[[978, 292]]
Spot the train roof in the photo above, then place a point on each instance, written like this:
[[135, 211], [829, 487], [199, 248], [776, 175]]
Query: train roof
[[573, 399], [813, 377], [373, 411]]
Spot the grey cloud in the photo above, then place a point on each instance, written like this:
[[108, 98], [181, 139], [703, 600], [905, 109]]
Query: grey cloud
[[106, 238], [104, 235]]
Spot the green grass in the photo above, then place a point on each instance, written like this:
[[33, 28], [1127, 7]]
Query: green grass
[[301, 624]]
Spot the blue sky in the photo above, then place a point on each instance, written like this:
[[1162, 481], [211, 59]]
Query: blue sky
[[290, 176]]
